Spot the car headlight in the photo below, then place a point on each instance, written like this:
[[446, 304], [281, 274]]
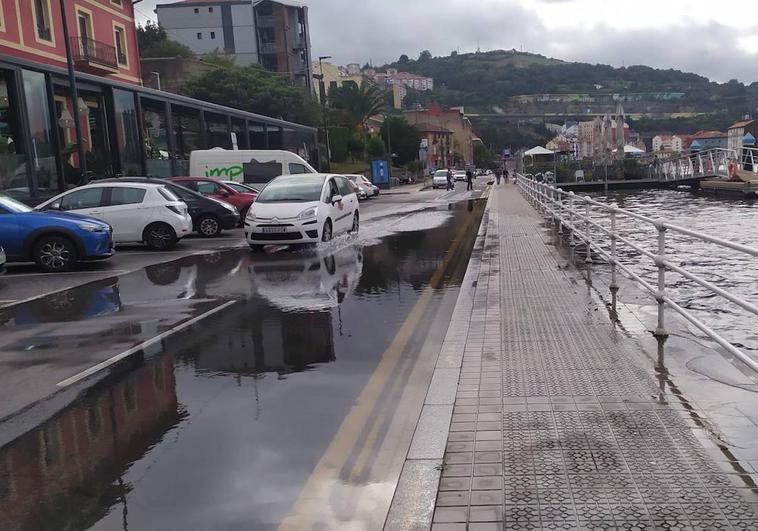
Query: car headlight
[[250, 214], [91, 227], [308, 213]]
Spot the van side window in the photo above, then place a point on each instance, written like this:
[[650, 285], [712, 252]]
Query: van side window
[[295, 168], [261, 172]]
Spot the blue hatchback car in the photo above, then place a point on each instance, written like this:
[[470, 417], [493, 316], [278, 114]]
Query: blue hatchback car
[[56, 241]]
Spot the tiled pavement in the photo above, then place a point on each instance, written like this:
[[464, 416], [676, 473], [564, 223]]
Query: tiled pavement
[[554, 424]]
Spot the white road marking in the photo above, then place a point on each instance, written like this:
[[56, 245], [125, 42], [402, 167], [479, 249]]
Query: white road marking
[[118, 357], [104, 272]]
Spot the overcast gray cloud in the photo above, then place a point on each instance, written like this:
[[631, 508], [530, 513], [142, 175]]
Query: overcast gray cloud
[[679, 34]]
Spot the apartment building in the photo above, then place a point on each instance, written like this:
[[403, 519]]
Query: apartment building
[[272, 33], [452, 119]]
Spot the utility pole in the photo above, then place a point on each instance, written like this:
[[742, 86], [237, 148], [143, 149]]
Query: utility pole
[[74, 94], [322, 94], [389, 145]]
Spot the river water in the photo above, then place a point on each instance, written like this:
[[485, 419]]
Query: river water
[[731, 219]]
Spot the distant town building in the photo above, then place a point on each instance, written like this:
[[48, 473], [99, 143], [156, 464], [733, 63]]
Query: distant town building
[[668, 143], [334, 77], [393, 77], [453, 119], [439, 153], [273, 33], [738, 131], [703, 140]]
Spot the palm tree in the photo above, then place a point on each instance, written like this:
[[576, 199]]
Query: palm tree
[[358, 103]]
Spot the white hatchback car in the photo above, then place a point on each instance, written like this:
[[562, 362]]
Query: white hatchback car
[[138, 212], [440, 179], [303, 208]]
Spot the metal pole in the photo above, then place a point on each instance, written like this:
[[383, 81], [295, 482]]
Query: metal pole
[[74, 95], [587, 237], [660, 331], [614, 285], [560, 212], [571, 219], [322, 94]]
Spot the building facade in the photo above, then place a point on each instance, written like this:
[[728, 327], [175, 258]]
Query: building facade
[[272, 33], [334, 77], [668, 143], [453, 119], [128, 130], [703, 140], [438, 142], [738, 131]]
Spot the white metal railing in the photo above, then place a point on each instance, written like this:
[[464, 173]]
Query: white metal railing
[[708, 163], [749, 160], [579, 216]]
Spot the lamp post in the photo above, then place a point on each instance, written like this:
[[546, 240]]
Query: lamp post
[[322, 96], [74, 94]]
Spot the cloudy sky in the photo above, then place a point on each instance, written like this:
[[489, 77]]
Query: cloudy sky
[[716, 39]]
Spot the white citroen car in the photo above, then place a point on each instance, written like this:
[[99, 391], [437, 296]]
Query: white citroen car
[[138, 212], [303, 208]]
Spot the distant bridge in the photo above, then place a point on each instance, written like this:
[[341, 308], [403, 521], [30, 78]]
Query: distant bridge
[[577, 116]]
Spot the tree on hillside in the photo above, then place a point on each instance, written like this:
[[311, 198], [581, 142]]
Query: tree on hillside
[[483, 157], [404, 139], [355, 104], [404, 60], [154, 42], [254, 89], [426, 55]]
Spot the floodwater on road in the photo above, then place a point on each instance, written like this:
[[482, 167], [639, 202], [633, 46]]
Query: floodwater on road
[[226, 424], [730, 219]]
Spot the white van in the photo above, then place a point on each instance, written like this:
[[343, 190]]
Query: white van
[[251, 166]]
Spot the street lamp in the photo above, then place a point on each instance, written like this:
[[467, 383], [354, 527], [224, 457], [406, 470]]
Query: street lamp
[[74, 93], [322, 96]]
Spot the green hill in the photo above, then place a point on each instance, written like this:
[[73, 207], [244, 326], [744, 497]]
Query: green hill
[[485, 81]]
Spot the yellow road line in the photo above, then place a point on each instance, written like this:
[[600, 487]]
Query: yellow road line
[[314, 496]]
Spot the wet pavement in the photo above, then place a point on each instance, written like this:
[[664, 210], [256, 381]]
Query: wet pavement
[[558, 421], [230, 391]]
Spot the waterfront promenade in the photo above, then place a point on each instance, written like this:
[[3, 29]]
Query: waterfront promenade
[[555, 420]]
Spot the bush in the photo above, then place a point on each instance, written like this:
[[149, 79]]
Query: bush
[[375, 146], [339, 138]]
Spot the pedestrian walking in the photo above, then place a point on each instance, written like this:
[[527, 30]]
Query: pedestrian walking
[[450, 183], [507, 176], [498, 175], [469, 180]]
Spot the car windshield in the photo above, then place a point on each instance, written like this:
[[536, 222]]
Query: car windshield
[[291, 188], [11, 205], [440, 173]]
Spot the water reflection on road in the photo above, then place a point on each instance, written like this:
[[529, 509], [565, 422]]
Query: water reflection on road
[[220, 425]]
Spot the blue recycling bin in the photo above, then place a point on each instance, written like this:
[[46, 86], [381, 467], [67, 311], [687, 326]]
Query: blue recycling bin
[[380, 173]]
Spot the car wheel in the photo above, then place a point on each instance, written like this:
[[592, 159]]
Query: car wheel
[[356, 223], [256, 248], [55, 254], [209, 226], [159, 236], [326, 232]]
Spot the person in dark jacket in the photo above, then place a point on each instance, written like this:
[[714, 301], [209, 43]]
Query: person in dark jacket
[[469, 180]]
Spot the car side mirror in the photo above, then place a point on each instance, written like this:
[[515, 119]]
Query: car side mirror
[[225, 193], [336, 199], [54, 206]]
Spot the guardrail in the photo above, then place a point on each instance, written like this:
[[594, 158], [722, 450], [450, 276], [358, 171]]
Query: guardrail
[[709, 163], [580, 216]]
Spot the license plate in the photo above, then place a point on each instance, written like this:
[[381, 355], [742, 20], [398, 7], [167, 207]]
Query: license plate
[[269, 230]]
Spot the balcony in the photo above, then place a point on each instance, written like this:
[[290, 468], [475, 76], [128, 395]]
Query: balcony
[[269, 48], [266, 21], [94, 56]]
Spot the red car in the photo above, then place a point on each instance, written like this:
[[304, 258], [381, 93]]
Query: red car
[[218, 190]]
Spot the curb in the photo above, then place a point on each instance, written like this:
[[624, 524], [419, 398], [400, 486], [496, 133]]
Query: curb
[[415, 497]]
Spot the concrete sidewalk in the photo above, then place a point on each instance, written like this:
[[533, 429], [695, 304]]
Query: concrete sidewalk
[[555, 423]]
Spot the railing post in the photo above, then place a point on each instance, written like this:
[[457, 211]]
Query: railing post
[[614, 287], [571, 219], [560, 212], [587, 237], [660, 259]]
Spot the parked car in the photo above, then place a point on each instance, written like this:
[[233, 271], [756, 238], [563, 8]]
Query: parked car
[[440, 179], [218, 190], [56, 241], [209, 216], [369, 185], [138, 212], [242, 187], [549, 177], [364, 191], [459, 175], [2, 261], [295, 209]]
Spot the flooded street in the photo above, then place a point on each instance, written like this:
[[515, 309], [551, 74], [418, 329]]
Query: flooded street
[[301, 375]]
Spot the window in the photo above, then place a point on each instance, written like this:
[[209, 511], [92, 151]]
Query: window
[[197, 10], [213, 34], [187, 136], [2, 20], [13, 166], [210, 10], [127, 132], [207, 188], [127, 196], [119, 39], [199, 35], [217, 131], [84, 23], [42, 156], [86, 198], [188, 184], [117, 2], [42, 20], [345, 187], [156, 138], [331, 191], [295, 168]]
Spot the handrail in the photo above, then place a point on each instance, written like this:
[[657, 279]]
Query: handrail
[[714, 162], [575, 213]]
